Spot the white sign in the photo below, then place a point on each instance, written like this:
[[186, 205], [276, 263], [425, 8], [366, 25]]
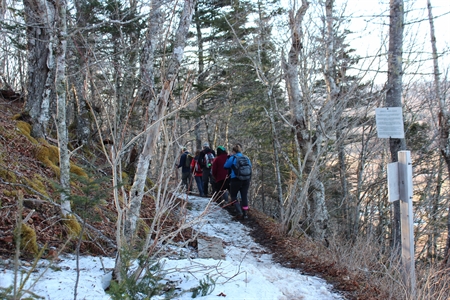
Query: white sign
[[390, 122], [393, 184]]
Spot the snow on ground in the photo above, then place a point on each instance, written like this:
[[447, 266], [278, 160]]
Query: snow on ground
[[247, 272]]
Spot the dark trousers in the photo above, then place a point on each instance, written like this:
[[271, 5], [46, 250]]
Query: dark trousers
[[199, 181], [221, 188], [186, 179], [241, 186], [207, 178]]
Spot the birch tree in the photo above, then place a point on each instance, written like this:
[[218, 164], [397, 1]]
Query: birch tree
[[313, 190], [60, 30], [156, 110]]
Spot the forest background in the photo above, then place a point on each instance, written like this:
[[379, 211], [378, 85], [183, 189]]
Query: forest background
[[121, 86]]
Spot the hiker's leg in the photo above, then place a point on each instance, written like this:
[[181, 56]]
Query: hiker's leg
[[235, 185], [234, 188], [185, 180], [212, 182], [199, 181], [217, 191], [226, 187], [244, 195], [205, 178]]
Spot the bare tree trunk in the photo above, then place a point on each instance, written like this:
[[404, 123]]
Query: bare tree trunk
[[60, 84], [79, 70], [309, 145], [394, 95], [40, 18], [276, 158], [201, 76], [444, 119], [156, 109], [346, 196], [299, 118]]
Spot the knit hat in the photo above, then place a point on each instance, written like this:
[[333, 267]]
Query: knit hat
[[221, 148], [205, 144]]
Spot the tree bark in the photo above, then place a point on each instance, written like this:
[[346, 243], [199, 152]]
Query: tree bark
[[201, 75], [317, 212], [60, 84], [394, 96], [79, 71], [40, 18], [444, 119], [156, 110]]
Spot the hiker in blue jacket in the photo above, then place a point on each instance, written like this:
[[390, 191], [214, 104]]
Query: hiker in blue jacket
[[240, 175], [205, 159], [185, 166]]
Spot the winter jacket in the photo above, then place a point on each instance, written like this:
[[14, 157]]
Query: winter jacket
[[193, 163], [202, 156], [218, 171], [231, 161], [182, 164]]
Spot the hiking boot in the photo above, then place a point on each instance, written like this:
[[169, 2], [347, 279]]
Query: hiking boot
[[238, 216], [244, 214], [238, 208]]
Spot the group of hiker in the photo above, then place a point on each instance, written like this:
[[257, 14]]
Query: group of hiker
[[228, 175]]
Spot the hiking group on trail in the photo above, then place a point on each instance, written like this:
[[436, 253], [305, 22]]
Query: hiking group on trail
[[228, 175]]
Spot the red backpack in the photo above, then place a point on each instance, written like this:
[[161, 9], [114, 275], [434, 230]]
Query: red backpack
[[197, 168]]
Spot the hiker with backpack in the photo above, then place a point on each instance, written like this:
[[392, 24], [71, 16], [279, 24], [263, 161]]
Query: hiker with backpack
[[241, 173], [206, 159], [220, 175], [185, 165], [197, 171]]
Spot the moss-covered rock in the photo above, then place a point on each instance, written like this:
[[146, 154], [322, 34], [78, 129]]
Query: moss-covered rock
[[77, 170], [37, 184], [25, 129], [8, 176], [45, 154], [28, 241], [8, 193], [73, 226]]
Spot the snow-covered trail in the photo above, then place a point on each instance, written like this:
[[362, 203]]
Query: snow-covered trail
[[246, 272]]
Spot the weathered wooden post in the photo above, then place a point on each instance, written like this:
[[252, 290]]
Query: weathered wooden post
[[407, 221], [400, 186]]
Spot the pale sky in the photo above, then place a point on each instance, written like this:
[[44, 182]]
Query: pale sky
[[371, 30], [369, 24]]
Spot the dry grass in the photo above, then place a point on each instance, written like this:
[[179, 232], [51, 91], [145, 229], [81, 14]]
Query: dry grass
[[359, 269], [433, 283]]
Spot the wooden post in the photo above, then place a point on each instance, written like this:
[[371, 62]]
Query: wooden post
[[407, 222]]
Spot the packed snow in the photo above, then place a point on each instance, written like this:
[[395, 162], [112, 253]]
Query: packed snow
[[246, 272]]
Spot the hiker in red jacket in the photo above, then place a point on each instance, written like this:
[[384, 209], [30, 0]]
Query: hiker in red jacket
[[220, 175], [197, 170]]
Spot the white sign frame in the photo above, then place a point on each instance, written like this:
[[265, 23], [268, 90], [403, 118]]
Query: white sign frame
[[389, 122]]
